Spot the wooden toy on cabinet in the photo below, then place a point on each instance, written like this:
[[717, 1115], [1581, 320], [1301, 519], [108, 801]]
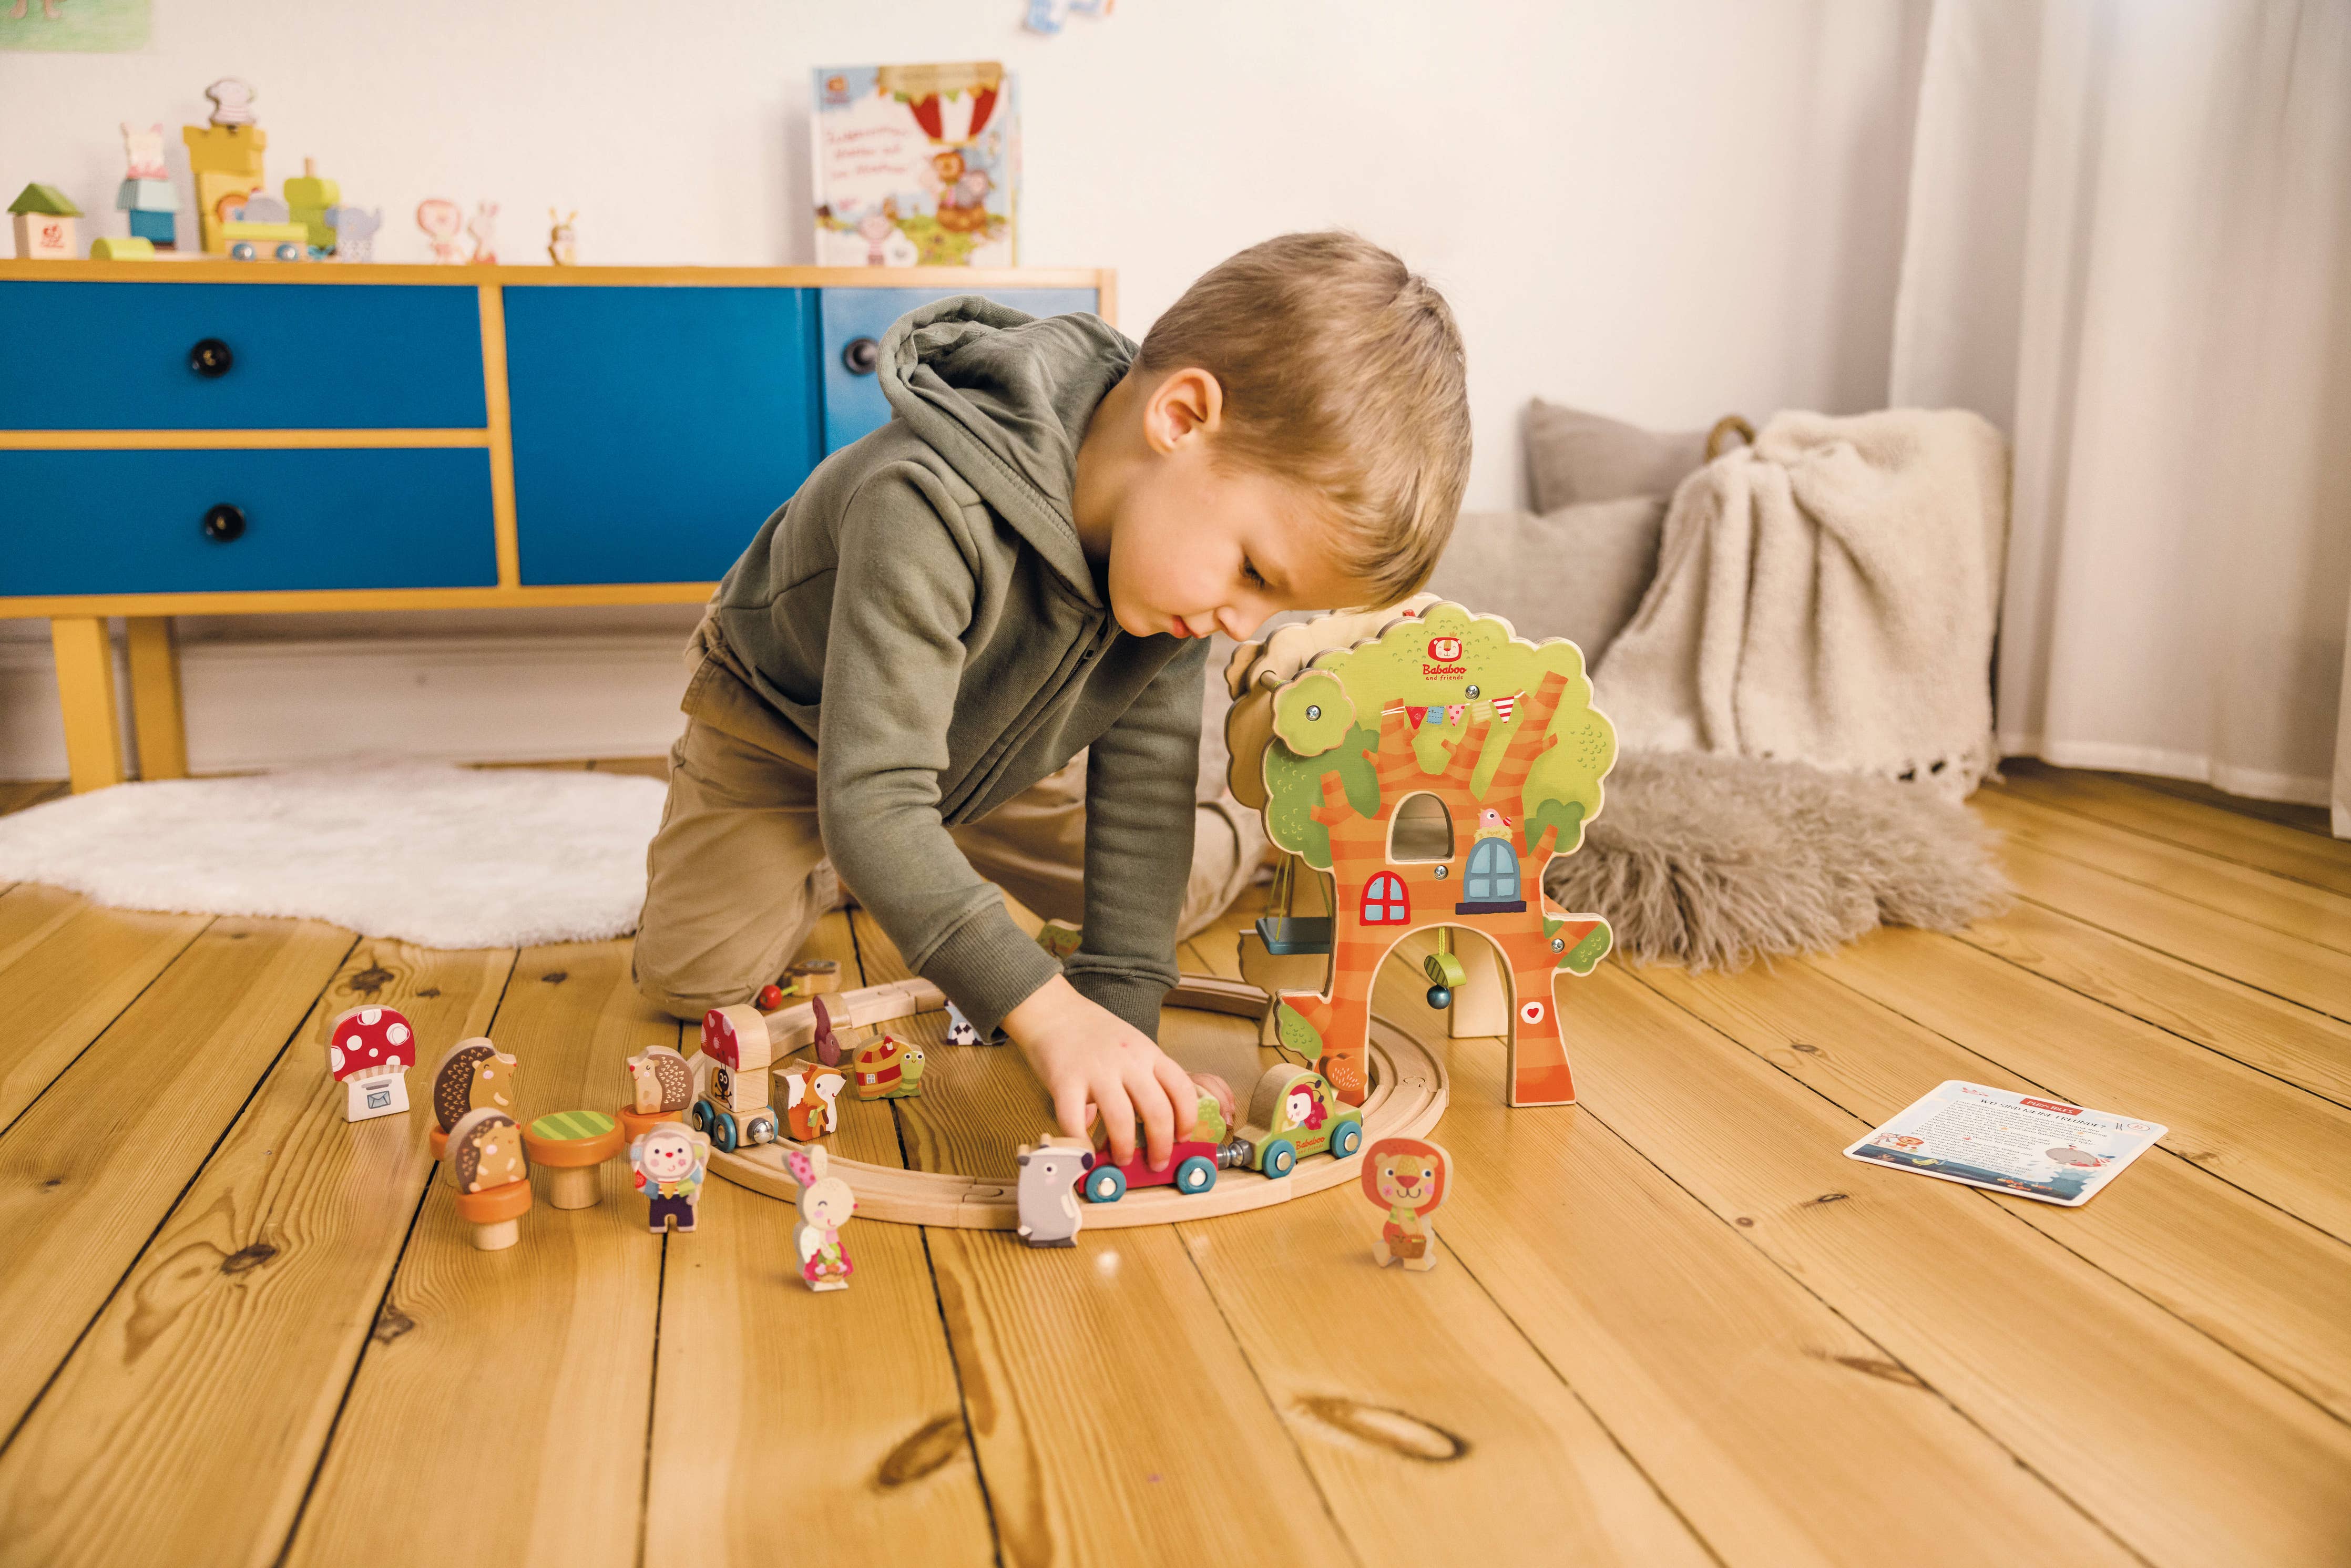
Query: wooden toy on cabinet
[[812, 1098], [145, 197], [825, 1204], [225, 156], [1050, 1169], [661, 1088], [44, 220], [370, 1051], [959, 1028], [671, 1163], [121, 248], [310, 198], [562, 238], [442, 221], [355, 230], [1294, 1112], [473, 1075], [1408, 1177], [1493, 744], [483, 228], [735, 1108], [485, 1160], [568, 1146], [889, 1069]]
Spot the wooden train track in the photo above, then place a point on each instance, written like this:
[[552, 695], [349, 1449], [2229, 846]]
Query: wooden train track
[[1410, 1088]]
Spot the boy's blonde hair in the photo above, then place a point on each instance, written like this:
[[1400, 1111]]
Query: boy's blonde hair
[[1341, 370]]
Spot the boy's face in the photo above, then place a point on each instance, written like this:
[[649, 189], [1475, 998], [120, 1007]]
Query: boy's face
[[1196, 546]]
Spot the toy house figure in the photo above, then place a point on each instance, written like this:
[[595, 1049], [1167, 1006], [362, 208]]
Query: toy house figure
[[825, 1204], [670, 1164], [735, 1108], [473, 1075], [45, 225], [370, 1051]]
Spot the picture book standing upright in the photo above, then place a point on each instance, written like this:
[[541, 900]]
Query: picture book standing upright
[[916, 165]]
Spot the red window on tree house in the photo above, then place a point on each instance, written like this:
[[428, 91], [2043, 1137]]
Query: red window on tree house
[[1385, 902]]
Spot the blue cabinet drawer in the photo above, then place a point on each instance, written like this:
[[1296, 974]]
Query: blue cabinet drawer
[[854, 404], [115, 356], [654, 429], [133, 522]]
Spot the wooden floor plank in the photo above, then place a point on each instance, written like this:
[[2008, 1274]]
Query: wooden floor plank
[[2212, 1459], [642, 766], [91, 1168], [189, 1419], [2279, 1038], [2246, 1274], [15, 794], [1091, 1434], [69, 978], [844, 1403], [29, 910], [2287, 852], [514, 1386], [2276, 903], [1432, 1405], [1783, 1434], [2288, 967], [2269, 1137]]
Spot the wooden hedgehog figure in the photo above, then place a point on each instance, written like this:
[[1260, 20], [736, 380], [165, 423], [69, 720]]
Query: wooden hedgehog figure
[[485, 1161], [474, 1075], [661, 1087]]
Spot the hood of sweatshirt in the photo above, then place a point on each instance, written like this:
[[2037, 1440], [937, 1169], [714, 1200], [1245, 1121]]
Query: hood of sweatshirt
[[1004, 398]]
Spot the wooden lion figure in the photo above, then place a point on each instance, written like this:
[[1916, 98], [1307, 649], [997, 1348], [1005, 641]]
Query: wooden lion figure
[[1408, 1177]]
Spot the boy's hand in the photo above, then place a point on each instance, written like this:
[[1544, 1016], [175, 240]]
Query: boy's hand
[[1087, 1057]]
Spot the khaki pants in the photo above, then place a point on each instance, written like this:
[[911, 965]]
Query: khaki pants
[[736, 877]]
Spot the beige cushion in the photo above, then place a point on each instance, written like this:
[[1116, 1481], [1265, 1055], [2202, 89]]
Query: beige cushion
[[1573, 458], [1577, 572]]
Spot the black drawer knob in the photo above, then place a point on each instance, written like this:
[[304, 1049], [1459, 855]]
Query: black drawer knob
[[225, 523], [860, 356], [211, 359]]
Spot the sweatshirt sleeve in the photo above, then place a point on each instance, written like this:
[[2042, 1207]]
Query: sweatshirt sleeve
[[1141, 776], [893, 657]]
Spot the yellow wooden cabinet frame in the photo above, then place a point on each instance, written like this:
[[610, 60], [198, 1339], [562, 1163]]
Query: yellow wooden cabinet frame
[[78, 632]]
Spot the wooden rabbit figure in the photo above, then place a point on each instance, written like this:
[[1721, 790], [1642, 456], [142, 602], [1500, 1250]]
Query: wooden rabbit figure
[[826, 1204]]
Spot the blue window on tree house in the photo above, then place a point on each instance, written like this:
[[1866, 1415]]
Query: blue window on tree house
[[1490, 884], [1385, 902]]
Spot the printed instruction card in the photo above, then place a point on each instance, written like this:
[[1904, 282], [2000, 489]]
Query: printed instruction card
[[2036, 1148]]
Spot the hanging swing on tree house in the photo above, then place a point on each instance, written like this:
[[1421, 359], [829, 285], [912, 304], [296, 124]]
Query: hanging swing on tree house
[[1420, 780]]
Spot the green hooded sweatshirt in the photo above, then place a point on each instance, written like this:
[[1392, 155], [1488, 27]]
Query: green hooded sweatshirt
[[922, 611]]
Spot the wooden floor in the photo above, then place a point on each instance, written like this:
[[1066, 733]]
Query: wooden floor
[[1671, 1324]]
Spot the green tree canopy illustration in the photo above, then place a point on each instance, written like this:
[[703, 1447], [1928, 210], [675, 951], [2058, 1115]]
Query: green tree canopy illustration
[[1398, 669]]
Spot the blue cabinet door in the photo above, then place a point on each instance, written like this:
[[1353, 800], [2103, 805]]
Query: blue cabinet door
[[298, 356], [854, 404], [656, 428], [133, 522]]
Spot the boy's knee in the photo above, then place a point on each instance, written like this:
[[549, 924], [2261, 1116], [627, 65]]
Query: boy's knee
[[681, 994]]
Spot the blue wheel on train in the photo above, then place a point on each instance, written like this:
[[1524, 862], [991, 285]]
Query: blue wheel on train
[[1198, 1173]]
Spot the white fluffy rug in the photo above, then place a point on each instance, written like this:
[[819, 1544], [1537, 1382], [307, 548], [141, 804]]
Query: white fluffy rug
[[442, 857]]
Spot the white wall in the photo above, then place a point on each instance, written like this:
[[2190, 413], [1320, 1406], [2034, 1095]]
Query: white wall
[[1666, 210]]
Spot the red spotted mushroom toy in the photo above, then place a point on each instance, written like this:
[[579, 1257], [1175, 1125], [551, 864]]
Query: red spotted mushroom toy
[[370, 1051]]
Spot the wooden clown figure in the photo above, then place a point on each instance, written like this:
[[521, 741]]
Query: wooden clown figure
[[1408, 1177], [670, 1161]]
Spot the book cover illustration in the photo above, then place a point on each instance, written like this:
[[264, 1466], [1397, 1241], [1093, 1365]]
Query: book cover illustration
[[916, 165]]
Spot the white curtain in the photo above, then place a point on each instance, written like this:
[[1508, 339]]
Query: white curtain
[[2129, 244]]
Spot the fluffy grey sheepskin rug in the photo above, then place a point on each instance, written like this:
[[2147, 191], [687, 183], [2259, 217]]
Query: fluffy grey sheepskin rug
[[1711, 860]]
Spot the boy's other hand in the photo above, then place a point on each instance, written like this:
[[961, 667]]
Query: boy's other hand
[[1088, 1058]]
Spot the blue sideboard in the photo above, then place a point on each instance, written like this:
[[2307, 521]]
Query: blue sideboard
[[223, 438]]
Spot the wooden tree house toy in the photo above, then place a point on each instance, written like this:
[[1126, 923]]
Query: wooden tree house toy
[[370, 1051], [1408, 1177], [44, 217], [569, 1146], [1050, 1169], [889, 1069], [487, 1162], [1431, 772], [734, 1107], [473, 1075], [825, 1204], [661, 1088], [812, 1098], [670, 1163]]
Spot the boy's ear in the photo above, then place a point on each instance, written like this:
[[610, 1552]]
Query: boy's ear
[[1186, 401]]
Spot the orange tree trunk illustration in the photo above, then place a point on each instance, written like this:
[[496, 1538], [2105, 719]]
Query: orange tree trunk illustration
[[1533, 940]]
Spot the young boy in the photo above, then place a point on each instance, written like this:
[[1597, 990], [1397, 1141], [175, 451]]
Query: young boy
[[1024, 564]]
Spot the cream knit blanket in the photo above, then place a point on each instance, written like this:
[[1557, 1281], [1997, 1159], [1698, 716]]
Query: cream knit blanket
[[1829, 595]]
